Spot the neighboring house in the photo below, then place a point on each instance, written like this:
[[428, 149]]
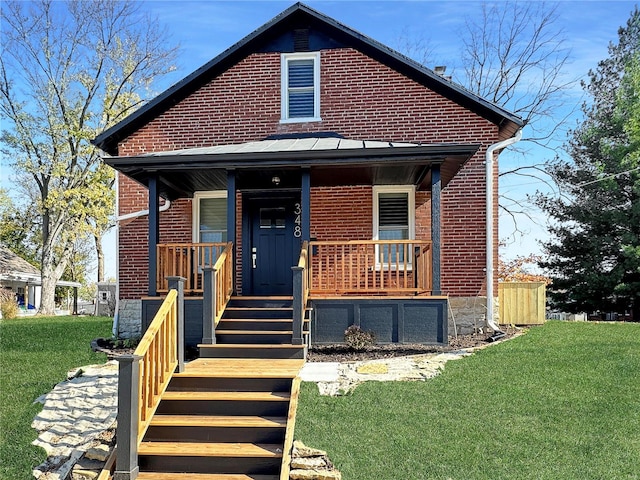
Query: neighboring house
[[105, 299], [307, 130], [22, 278]]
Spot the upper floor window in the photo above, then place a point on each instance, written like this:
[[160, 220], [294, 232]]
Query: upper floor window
[[300, 87]]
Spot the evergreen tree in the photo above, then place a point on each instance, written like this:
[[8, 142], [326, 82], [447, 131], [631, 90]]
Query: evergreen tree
[[594, 259]]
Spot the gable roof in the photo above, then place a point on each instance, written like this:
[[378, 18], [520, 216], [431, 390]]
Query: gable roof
[[16, 268], [12, 263], [297, 16]]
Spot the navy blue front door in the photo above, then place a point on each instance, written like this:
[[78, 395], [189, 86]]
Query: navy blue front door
[[274, 244]]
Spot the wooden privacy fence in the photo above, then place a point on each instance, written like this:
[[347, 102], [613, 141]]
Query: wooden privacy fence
[[369, 267], [522, 303]]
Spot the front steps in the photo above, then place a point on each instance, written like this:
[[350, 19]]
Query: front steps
[[255, 327], [230, 414]]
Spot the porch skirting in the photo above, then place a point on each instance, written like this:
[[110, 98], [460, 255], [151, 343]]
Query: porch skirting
[[407, 320], [392, 320]]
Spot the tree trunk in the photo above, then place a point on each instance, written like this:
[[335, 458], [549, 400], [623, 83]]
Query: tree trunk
[[51, 271], [48, 295], [100, 256]]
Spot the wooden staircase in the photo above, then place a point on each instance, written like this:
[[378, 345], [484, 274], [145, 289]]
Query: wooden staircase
[[231, 413]]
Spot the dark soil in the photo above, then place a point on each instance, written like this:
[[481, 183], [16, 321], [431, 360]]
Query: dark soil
[[342, 353]]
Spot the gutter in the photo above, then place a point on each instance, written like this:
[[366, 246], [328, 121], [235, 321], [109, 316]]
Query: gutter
[[489, 162], [121, 218]]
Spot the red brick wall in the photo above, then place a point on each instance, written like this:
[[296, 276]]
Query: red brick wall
[[342, 213], [360, 99]]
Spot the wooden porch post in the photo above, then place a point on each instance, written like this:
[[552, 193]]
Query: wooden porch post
[[436, 188], [231, 216], [208, 306], [305, 200], [154, 232], [177, 283], [127, 434]]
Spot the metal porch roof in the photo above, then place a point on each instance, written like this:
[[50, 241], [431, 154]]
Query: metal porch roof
[[332, 161]]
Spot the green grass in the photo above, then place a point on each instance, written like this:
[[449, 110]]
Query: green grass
[[35, 354], [561, 402]]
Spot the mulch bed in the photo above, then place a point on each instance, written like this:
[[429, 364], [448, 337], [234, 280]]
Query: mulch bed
[[342, 353]]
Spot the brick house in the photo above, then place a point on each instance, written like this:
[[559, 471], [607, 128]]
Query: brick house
[[308, 143]]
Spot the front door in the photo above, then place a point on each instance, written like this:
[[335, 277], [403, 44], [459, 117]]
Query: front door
[[274, 246]]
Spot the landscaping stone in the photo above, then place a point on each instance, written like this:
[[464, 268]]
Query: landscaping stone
[[311, 464], [371, 368], [409, 368], [300, 450], [100, 453]]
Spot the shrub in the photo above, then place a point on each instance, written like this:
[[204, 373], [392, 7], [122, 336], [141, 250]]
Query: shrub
[[8, 305], [358, 339]]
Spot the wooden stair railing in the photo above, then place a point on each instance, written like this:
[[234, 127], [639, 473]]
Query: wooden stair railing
[[145, 375], [300, 293], [218, 287]]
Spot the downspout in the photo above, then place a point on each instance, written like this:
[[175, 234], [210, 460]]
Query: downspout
[[489, 226], [121, 218]]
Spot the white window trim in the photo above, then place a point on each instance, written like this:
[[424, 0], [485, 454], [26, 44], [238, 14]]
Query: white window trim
[[197, 196], [411, 191], [284, 90]]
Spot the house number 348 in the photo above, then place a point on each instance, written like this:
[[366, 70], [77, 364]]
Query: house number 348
[[297, 229]]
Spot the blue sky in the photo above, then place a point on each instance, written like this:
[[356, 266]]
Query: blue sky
[[203, 29]]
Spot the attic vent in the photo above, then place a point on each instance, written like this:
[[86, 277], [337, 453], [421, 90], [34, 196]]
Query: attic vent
[[301, 40]]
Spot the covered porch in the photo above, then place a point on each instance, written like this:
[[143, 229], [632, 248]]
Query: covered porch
[[271, 245]]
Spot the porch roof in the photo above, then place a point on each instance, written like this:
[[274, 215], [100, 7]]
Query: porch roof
[[333, 161]]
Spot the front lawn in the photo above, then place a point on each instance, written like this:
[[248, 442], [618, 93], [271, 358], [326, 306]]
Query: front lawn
[[35, 354], [561, 402]]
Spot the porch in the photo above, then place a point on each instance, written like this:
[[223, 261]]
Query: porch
[[352, 267], [359, 221], [382, 286]]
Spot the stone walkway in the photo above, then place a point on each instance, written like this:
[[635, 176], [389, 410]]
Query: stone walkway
[[75, 413], [335, 379]]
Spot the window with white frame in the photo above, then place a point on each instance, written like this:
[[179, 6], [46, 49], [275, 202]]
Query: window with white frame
[[209, 220], [210, 217], [394, 219], [300, 87]]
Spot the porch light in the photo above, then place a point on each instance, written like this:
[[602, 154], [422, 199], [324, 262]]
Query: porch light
[[275, 180]]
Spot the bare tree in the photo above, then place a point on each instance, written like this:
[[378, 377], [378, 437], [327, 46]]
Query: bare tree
[[515, 55], [68, 71]]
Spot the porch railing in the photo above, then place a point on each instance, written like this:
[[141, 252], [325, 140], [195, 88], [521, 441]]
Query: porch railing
[[185, 260], [144, 376], [370, 267]]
